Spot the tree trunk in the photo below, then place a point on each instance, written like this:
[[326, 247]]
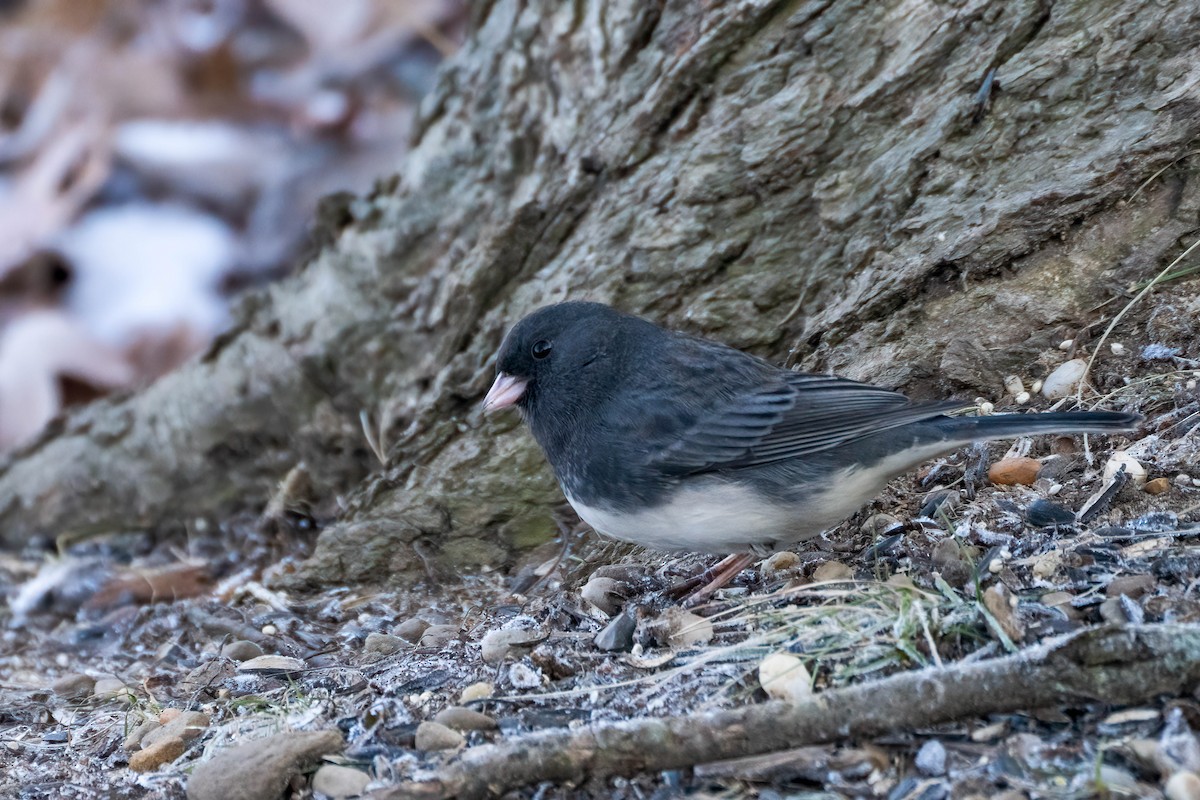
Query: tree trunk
[[823, 181]]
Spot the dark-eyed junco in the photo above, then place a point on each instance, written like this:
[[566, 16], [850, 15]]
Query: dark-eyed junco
[[680, 443]]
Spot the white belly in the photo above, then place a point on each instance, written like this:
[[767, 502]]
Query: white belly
[[715, 517]]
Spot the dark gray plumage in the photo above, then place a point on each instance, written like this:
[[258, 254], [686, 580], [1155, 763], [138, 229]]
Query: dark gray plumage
[[682, 443]]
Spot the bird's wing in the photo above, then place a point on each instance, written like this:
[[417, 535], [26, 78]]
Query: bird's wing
[[787, 415]]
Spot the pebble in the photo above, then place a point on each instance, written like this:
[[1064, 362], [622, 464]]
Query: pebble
[[477, 691], [436, 736], [384, 644], [1014, 385], [411, 630], [986, 408], [464, 719], [74, 685], [1133, 586], [1023, 398], [186, 725], [155, 755], [783, 676], [1064, 380], [242, 650], [1062, 602], [109, 688], [832, 571], [780, 563], [498, 645], [1112, 611], [273, 665], [607, 594], [931, 758], [1133, 468], [438, 636], [685, 628], [134, 740], [1157, 486], [338, 782], [261, 768], [1183, 786], [524, 675], [1117, 349], [617, 635], [1013, 471], [169, 714]]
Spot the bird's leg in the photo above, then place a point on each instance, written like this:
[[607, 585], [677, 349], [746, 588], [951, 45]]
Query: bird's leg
[[723, 572], [700, 578]]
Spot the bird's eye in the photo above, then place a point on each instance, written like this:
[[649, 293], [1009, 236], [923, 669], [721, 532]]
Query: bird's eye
[[541, 348]]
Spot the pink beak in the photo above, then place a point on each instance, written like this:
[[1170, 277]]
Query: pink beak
[[506, 391]]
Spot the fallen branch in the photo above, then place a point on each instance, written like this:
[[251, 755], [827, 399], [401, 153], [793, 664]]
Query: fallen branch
[[1113, 664]]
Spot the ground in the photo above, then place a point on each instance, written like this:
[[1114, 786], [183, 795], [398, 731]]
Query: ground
[[945, 566]]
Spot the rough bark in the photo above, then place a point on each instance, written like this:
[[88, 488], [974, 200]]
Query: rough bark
[[1115, 665], [786, 176]]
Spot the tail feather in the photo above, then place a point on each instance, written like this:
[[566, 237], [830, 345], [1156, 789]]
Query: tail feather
[[1003, 426]]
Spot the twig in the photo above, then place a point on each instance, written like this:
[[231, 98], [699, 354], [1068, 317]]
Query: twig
[[1112, 664]]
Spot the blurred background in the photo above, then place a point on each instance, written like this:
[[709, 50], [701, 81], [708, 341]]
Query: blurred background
[[158, 156]]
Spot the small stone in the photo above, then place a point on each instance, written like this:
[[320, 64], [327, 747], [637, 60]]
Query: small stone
[[1036, 387], [1023, 398], [1065, 379], [1117, 349], [1133, 468], [986, 408], [260, 768], [438, 636], [154, 756], [783, 676], [242, 650], [523, 675], [1133, 586], [617, 635], [273, 665], [1013, 471], [412, 629], [1157, 486], [1066, 344], [476, 691], [134, 740], [74, 685], [1183, 785], [1014, 385], [187, 726], [269, 630], [384, 644], [777, 564], [498, 645], [931, 758], [1112, 611], [338, 782], [1183, 480], [436, 736], [464, 719], [685, 629], [1046, 514], [990, 733], [607, 594], [832, 571], [169, 714], [109, 688]]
